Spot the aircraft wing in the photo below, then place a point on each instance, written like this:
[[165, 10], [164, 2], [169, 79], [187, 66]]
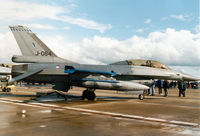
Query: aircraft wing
[[25, 75], [167, 77], [72, 70]]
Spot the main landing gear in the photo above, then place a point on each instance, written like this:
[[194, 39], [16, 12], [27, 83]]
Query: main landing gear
[[6, 89], [89, 94]]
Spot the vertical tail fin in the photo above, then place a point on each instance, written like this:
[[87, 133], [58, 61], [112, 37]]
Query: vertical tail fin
[[32, 48], [29, 43]]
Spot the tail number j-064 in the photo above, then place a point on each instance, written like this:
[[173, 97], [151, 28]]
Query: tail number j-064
[[43, 53]]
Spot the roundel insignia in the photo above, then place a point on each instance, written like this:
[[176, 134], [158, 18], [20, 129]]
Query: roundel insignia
[[57, 66]]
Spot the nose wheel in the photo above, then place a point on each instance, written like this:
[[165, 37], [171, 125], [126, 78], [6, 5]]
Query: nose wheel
[[89, 94], [141, 96]]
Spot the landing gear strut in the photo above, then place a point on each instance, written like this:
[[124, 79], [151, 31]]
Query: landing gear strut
[[89, 94]]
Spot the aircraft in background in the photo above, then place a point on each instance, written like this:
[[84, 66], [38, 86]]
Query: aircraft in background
[[5, 70], [46, 67]]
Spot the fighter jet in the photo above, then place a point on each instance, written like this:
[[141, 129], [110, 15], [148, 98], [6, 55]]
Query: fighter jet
[[45, 66]]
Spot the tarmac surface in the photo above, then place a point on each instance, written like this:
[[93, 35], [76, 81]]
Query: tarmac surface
[[113, 114]]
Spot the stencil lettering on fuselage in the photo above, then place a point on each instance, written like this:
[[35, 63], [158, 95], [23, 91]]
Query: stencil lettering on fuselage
[[43, 53]]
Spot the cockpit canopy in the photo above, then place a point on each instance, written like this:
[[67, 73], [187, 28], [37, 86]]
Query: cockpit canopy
[[141, 62]]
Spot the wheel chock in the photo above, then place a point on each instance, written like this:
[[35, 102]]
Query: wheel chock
[[86, 100]]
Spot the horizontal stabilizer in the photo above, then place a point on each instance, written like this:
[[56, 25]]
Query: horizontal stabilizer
[[25, 75]]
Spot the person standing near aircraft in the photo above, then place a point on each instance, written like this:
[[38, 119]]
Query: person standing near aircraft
[[160, 85], [153, 88], [148, 91], [166, 87], [182, 88]]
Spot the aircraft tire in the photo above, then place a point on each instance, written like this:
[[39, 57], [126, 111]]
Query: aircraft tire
[[4, 89], [85, 94], [91, 96], [8, 89], [141, 96], [88, 95]]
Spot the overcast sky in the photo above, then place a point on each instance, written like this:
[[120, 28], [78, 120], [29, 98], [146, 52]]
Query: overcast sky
[[105, 31]]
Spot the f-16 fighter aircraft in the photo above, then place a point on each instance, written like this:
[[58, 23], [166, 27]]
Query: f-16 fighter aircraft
[[45, 66]]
